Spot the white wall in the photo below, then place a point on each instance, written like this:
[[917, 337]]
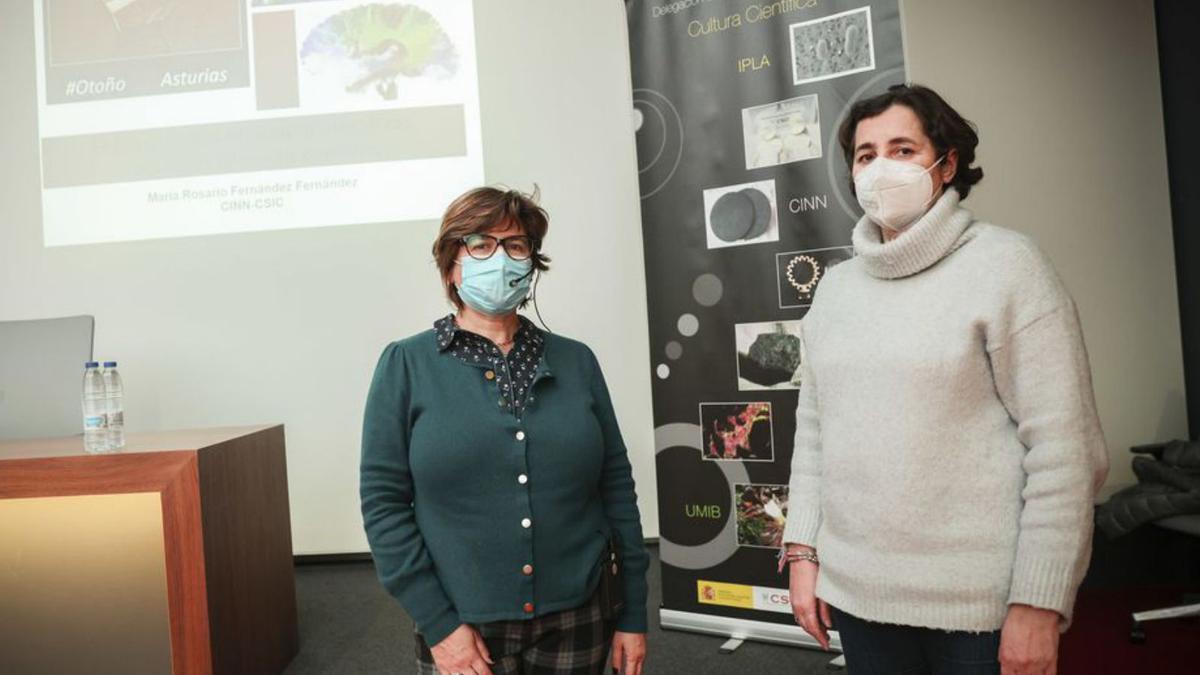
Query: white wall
[[1066, 96], [286, 326]]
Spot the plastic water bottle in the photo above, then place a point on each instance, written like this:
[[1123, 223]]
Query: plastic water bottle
[[114, 390], [95, 404]]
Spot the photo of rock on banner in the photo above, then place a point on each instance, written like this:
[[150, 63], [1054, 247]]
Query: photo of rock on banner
[[106, 49], [761, 514], [737, 431], [769, 354], [799, 273]]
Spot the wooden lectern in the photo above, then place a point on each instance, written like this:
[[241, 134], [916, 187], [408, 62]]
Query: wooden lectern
[[173, 555]]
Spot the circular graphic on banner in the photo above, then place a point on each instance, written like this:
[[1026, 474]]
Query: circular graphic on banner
[[696, 510], [723, 543], [688, 325], [654, 124], [660, 139], [708, 289], [674, 350], [663, 371]]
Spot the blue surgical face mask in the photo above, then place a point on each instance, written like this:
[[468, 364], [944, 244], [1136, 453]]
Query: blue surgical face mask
[[494, 286]]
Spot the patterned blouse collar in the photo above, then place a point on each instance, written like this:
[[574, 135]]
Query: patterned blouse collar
[[446, 329]]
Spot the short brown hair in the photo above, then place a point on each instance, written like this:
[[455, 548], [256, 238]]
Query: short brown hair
[[947, 129], [480, 210]]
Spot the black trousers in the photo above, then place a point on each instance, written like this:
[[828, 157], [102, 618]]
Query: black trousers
[[887, 649]]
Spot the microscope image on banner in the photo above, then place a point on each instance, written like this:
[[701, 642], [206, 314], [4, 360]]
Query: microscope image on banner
[[834, 46], [769, 354], [800, 272], [737, 431], [737, 215], [761, 514], [782, 132]]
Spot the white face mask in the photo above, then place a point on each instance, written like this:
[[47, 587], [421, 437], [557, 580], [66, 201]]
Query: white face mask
[[894, 194]]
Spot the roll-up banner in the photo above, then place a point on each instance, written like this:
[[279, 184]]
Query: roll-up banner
[[745, 206]]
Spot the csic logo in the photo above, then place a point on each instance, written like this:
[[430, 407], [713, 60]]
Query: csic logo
[[774, 598], [709, 593]]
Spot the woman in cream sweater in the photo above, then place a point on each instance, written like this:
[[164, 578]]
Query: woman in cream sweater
[[947, 446]]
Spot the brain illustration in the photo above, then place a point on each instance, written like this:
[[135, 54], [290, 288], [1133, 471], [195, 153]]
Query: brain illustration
[[373, 47]]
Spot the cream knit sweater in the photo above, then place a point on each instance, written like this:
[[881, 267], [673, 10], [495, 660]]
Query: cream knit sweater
[[947, 447]]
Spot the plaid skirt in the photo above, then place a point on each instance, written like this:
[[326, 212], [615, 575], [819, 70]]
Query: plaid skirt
[[570, 642]]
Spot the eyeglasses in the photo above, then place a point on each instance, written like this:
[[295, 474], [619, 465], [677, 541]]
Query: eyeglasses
[[483, 246]]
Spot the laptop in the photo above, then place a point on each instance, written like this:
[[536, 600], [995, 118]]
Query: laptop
[[41, 376]]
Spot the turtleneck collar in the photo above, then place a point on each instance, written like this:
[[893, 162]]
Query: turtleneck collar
[[934, 236]]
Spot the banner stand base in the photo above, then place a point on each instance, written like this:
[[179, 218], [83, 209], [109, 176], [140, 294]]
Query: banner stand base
[[730, 646], [743, 629]]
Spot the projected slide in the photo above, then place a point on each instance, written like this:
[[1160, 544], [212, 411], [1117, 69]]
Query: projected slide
[[175, 118]]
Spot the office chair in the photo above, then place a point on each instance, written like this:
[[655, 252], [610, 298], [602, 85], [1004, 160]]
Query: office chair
[[1188, 524]]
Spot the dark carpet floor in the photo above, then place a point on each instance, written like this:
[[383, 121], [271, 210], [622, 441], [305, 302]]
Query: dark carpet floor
[[1099, 641], [349, 624]]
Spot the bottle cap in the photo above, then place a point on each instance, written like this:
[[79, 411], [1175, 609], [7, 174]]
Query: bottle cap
[[110, 364], [91, 364]]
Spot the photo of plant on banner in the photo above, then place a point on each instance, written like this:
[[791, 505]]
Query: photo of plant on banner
[[761, 514], [737, 431]]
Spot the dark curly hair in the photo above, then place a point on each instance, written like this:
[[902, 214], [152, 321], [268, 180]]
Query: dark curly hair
[[942, 124]]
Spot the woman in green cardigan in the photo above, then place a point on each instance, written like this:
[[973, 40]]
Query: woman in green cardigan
[[493, 473]]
